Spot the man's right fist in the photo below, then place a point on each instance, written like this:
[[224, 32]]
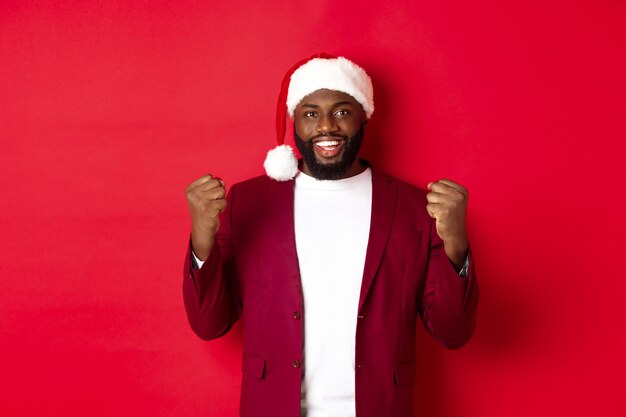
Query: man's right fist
[[206, 198]]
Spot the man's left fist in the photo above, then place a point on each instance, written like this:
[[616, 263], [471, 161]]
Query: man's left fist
[[447, 204]]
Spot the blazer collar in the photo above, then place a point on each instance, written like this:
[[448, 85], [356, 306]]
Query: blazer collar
[[281, 197], [384, 193]]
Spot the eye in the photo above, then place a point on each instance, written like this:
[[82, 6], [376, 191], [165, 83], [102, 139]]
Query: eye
[[309, 114], [341, 113]]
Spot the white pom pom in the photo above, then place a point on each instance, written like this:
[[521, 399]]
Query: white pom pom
[[281, 163]]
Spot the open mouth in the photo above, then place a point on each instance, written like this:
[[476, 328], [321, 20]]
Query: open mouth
[[328, 148]]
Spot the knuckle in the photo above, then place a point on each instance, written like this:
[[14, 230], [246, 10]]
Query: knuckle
[[192, 198]]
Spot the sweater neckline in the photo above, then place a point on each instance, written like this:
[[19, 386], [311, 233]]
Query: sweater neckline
[[306, 181]]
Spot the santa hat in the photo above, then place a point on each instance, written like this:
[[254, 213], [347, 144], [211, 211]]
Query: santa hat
[[305, 77]]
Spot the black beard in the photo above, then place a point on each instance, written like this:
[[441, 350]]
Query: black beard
[[336, 170]]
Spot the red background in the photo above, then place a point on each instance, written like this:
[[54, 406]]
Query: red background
[[109, 109]]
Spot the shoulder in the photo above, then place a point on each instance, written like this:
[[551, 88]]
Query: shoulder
[[404, 188], [252, 184], [260, 187], [410, 200]]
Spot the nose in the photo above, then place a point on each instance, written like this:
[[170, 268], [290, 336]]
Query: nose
[[326, 124]]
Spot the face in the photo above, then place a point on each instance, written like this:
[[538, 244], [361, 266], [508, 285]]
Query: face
[[329, 128]]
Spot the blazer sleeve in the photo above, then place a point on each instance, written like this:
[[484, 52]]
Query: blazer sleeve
[[449, 302], [211, 294]]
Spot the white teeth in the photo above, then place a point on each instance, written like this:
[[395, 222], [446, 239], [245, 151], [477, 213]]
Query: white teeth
[[326, 143]]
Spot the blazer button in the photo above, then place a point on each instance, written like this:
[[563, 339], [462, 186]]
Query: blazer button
[[296, 363], [296, 315]]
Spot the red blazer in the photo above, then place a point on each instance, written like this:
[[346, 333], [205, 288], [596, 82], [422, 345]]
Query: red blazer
[[252, 273]]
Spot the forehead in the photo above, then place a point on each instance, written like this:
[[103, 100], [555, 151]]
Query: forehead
[[327, 97]]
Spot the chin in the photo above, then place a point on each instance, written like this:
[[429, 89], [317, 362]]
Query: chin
[[328, 162]]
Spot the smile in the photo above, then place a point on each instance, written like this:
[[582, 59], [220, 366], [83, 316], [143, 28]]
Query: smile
[[327, 144], [328, 148]]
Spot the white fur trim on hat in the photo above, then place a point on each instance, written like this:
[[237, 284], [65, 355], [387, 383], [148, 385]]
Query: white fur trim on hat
[[339, 74], [281, 163]]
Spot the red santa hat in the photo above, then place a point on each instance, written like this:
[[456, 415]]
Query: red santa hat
[[305, 77]]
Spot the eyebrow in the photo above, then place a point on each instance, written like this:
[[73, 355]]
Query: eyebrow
[[315, 106]]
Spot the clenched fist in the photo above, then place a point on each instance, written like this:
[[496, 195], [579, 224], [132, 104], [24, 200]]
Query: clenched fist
[[447, 204], [206, 198]]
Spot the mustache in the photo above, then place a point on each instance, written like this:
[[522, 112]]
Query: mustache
[[327, 136]]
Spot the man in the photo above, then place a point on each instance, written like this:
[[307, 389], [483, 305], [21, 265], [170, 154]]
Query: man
[[328, 261]]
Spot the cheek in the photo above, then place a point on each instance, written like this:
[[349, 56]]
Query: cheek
[[351, 127], [303, 129]]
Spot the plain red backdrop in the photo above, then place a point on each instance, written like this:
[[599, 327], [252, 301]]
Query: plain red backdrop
[[109, 109]]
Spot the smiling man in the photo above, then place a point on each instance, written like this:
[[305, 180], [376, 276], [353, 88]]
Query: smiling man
[[328, 261], [333, 124]]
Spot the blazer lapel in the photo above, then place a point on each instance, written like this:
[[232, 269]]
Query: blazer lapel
[[283, 231], [383, 209]]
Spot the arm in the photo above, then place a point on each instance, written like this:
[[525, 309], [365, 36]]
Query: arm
[[210, 293], [450, 299], [449, 302]]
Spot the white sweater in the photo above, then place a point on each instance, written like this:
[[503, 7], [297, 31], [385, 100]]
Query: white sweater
[[332, 222]]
